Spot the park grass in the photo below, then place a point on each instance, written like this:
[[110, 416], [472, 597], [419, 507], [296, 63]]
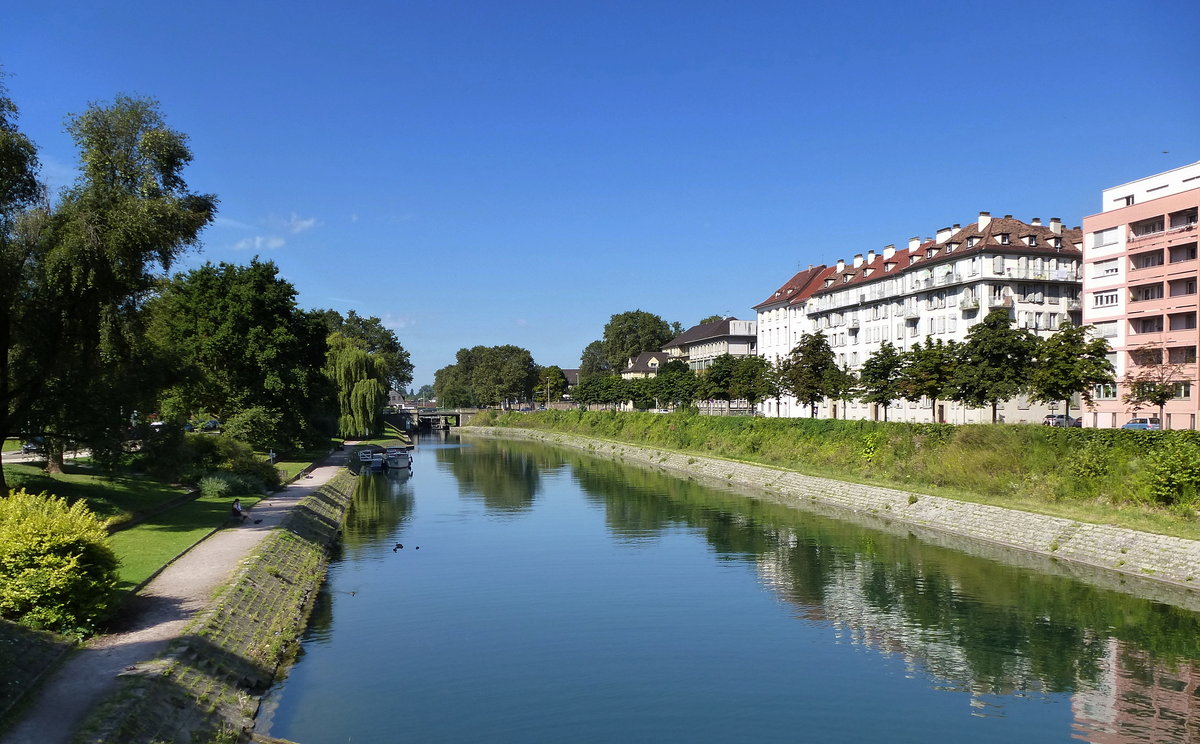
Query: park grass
[[116, 499], [148, 546], [11, 444]]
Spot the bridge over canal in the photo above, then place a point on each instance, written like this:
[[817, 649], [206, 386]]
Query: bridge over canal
[[415, 419]]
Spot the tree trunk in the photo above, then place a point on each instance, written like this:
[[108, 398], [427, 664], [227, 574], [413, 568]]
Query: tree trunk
[[995, 409], [933, 411], [54, 456]]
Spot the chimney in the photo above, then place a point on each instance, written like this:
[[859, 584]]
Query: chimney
[[1056, 226], [871, 257], [858, 260], [841, 265], [944, 234], [888, 251], [985, 219], [1036, 222], [914, 243], [1008, 216]]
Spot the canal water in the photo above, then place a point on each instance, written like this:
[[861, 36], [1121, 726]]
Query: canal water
[[542, 595]]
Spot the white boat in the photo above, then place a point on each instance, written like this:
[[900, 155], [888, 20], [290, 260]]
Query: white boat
[[398, 457], [377, 461]]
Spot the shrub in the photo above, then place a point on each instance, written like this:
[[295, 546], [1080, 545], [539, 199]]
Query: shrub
[[57, 570], [257, 426], [1173, 470], [221, 485]]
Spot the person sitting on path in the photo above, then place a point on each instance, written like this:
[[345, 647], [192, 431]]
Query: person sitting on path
[[237, 510]]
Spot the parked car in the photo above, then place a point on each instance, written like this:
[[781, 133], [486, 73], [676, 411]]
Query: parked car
[[1150, 424], [1059, 419], [212, 425], [37, 444]]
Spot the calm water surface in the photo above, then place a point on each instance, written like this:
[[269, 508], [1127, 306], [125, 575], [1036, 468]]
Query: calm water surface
[[560, 598]]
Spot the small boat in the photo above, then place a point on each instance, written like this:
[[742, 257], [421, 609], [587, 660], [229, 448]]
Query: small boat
[[398, 457], [364, 456]]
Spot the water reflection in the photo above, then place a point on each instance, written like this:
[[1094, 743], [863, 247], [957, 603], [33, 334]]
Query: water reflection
[[382, 502], [967, 623], [505, 480]]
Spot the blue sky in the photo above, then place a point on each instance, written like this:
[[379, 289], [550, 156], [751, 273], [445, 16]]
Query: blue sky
[[516, 173]]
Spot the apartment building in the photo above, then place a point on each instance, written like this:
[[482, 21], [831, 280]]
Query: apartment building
[[934, 288], [782, 318], [1139, 287], [699, 345]]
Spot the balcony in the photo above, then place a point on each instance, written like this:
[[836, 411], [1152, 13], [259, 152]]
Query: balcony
[[1000, 302], [912, 313], [853, 324], [968, 303], [1074, 305]]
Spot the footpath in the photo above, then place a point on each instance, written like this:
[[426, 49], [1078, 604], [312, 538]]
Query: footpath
[[158, 615]]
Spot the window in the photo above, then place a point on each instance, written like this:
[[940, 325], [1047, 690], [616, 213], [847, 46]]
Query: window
[[1183, 390], [1102, 238], [1180, 253], [1146, 292], [1108, 267], [1056, 242], [1183, 287], [1004, 240], [1147, 260], [1126, 201], [1153, 324], [1107, 391], [1183, 321], [1107, 329], [1104, 299], [1146, 356], [1032, 241], [1181, 355]]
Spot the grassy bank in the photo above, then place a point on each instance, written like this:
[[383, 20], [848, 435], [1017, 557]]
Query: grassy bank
[[1141, 480]]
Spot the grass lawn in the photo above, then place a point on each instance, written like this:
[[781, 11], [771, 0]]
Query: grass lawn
[[150, 545], [12, 444], [110, 498]]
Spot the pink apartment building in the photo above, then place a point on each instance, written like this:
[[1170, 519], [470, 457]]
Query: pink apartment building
[[1139, 292]]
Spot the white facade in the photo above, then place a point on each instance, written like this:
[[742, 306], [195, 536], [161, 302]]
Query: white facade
[[937, 289]]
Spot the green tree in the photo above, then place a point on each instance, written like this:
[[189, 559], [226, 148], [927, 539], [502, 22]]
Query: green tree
[[593, 362], [425, 393], [452, 385], [360, 380], [20, 194], [377, 340], [927, 372], [752, 380], [552, 383], [995, 362], [879, 379], [630, 333], [716, 381], [238, 340], [808, 368], [711, 319], [1070, 362], [675, 384], [128, 216]]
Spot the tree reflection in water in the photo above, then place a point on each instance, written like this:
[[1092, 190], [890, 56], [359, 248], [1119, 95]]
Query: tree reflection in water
[[1131, 663]]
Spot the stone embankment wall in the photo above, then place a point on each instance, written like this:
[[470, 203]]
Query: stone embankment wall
[[1154, 566], [208, 685]]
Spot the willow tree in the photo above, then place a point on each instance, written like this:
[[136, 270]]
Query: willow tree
[[360, 378]]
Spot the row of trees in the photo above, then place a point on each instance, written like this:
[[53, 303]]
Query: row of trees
[[995, 363], [91, 333]]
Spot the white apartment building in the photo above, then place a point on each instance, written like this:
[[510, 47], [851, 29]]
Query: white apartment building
[[935, 288]]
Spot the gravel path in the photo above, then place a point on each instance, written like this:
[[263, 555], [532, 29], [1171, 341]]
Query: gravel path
[[158, 615]]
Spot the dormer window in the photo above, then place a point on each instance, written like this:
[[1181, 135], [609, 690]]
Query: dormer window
[[950, 247], [1004, 239], [889, 266], [1058, 242], [1032, 239], [829, 281], [971, 241], [847, 278]]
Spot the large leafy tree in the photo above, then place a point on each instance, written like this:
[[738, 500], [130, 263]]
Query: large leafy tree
[[716, 381], [360, 379], [995, 362], [377, 340], [675, 384], [879, 379], [592, 361], [927, 372], [1070, 362], [88, 270], [487, 375], [630, 333], [808, 369], [20, 193], [238, 340], [552, 383]]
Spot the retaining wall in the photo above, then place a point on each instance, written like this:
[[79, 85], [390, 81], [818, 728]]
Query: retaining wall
[[209, 683]]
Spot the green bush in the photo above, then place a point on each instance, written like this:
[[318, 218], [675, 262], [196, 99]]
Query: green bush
[[257, 426], [1173, 470], [57, 570]]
